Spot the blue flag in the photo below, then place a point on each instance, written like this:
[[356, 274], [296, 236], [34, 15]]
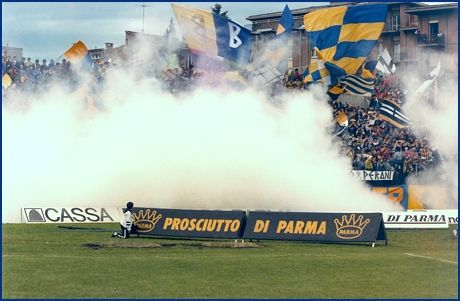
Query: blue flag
[[277, 49], [286, 22]]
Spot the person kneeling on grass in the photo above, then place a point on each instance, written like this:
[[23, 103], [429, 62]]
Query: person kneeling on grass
[[128, 226]]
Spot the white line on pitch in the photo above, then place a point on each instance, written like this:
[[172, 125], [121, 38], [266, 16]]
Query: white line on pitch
[[431, 258]]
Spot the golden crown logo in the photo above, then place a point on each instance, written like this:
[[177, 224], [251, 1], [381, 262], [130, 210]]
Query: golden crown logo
[[147, 220], [350, 228]]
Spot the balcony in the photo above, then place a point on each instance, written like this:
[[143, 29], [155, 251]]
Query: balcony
[[434, 40]]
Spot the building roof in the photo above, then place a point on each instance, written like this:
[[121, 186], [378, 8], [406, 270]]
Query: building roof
[[432, 8], [303, 11], [299, 11], [146, 36]]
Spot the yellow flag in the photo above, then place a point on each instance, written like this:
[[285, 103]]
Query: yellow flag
[[6, 81]]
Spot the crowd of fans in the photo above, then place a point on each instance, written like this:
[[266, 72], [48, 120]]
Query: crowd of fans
[[32, 76], [374, 144], [371, 143]]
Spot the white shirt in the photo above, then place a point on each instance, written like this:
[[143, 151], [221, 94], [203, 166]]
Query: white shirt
[[127, 219]]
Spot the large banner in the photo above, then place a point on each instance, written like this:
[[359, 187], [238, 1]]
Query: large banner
[[369, 175], [452, 216], [325, 227], [430, 197], [70, 214], [189, 223], [420, 197], [416, 219], [397, 194]]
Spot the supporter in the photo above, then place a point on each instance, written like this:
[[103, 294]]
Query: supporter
[[22, 62], [297, 75], [8, 63], [357, 163], [37, 65], [14, 61], [292, 77], [374, 103], [14, 74], [381, 82], [28, 63], [384, 164], [368, 164], [21, 70], [44, 67], [51, 65], [65, 66]]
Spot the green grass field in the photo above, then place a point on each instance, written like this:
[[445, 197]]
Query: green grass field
[[44, 261]]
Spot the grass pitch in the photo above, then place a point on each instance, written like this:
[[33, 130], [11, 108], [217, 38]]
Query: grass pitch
[[44, 261]]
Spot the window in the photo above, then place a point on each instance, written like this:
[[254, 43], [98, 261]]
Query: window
[[379, 48], [433, 18], [433, 30], [397, 51], [298, 22], [395, 20], [290, 47], [313, 53]]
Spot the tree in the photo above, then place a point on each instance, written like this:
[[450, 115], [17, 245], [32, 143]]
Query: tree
[[217, 10], [170, 32]]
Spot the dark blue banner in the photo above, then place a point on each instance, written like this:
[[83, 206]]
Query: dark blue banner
[[324, 227], [189, 223]]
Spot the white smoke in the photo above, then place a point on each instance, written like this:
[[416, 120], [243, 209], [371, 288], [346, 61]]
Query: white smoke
[[211, 149]]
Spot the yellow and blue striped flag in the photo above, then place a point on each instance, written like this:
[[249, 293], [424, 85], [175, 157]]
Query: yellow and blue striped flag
[[209, 33], [357, 85], [344, 36], [394, 114], [78, 55]]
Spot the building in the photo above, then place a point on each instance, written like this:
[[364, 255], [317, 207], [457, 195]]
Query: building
[[151, 47], [103, 54], [438, 39], [13, 51], [410, 52]]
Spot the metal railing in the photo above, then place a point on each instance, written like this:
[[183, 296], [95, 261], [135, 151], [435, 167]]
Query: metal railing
[[435, 40]]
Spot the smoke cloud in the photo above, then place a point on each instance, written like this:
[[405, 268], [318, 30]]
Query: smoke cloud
[[215, 148], [436, 119]]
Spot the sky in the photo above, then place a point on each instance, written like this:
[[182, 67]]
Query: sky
[[45, 30]]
